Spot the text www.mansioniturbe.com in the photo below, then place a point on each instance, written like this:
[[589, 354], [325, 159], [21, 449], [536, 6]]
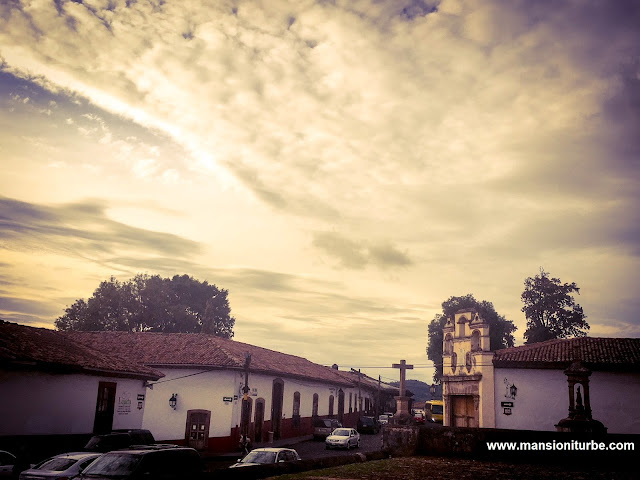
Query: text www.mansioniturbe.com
[[573, 445]]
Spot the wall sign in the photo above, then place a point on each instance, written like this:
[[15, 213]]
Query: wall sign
[[227, 399], [506, 404], [124, 404]]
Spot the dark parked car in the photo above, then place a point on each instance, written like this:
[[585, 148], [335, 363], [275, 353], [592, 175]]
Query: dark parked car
[[63, 466], [118, 439], [148, 464], [368, 425], [322, 427], [7, 462]]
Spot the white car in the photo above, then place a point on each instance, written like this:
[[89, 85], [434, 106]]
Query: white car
[[383, 419], [66, 465], [263, 456], [343, 438]]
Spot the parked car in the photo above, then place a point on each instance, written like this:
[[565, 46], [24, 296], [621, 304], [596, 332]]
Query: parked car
[[63, 466], [343, 438], [262, 456], [383, 419], [322, 427], [118, 439], [368, 425], [7, 462], [147, 463], [418, 417]]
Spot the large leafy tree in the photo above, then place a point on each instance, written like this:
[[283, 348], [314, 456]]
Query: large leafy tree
[[551, 310], [152, 303], [500, 329]]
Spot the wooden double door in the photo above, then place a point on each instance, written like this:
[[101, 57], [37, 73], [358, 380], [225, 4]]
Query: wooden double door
[[463, 411]]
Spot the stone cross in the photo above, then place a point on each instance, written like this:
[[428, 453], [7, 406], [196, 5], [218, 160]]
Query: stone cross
[[403, 368]]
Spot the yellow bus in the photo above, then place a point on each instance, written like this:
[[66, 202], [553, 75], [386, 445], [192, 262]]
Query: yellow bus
[[434, 410]]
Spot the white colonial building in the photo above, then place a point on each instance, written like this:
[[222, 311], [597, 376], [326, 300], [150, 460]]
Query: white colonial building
[[52, 385], [199, 400], [534, 387]]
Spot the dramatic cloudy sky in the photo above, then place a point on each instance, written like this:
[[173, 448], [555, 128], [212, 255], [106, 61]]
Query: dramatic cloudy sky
[[341, 167]]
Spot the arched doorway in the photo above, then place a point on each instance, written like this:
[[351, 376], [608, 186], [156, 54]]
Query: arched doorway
[[197, 429], [259, 420], [277, 398], [341, 406]]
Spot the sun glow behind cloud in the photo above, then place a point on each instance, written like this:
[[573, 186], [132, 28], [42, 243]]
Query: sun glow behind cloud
[[396, 153]]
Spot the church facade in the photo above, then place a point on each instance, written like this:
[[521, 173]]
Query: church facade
[[534, 387]]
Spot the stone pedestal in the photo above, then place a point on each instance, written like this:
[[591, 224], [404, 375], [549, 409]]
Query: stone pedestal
[[402, 405]]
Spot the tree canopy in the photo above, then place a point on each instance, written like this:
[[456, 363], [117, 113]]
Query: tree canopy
[[551, 310], [152, 304], [500, 329]]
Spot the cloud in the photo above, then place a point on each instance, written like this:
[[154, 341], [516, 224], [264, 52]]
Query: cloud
[[357, 255], [82, 229], [439, 147]]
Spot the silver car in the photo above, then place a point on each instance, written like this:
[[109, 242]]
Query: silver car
[[66, 465], [343, 438], [263, 456]]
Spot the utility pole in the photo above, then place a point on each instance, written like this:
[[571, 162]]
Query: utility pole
[[378, 409]]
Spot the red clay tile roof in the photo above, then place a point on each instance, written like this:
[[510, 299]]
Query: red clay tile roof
[[597, 353], [202, 350], [50, 350]]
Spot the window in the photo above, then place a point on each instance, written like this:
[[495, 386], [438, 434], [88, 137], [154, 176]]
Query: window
[[314, 412], [448, 345], [350, 402], [330, 405], [475, 341], [296, 409]]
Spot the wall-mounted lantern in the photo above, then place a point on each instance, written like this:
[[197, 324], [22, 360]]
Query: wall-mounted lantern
[[513, 390], [173, 401]]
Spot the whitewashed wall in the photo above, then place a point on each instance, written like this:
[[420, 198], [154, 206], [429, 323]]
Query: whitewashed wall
[[45, 404], [543, 399], [207, 391], [614, 401], [203, 391]]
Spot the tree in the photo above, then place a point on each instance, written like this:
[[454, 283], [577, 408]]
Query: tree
[[500, 329], [551, 310], [152, 303]]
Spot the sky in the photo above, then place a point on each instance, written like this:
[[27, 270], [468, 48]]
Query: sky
[[340, 167]]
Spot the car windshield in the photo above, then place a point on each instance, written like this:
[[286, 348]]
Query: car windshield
[[341, 432], [259, 456], [114, 465], [367, 421], [56, 464]]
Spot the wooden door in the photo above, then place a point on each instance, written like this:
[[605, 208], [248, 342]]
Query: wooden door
[[197, 431], [105, 403], [277, 397], [463, 412], [259, 420]]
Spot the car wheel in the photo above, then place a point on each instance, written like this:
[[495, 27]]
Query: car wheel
[[358, 444], [348, 445]]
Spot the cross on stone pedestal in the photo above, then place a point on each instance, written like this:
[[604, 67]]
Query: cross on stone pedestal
[[402, 402]]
